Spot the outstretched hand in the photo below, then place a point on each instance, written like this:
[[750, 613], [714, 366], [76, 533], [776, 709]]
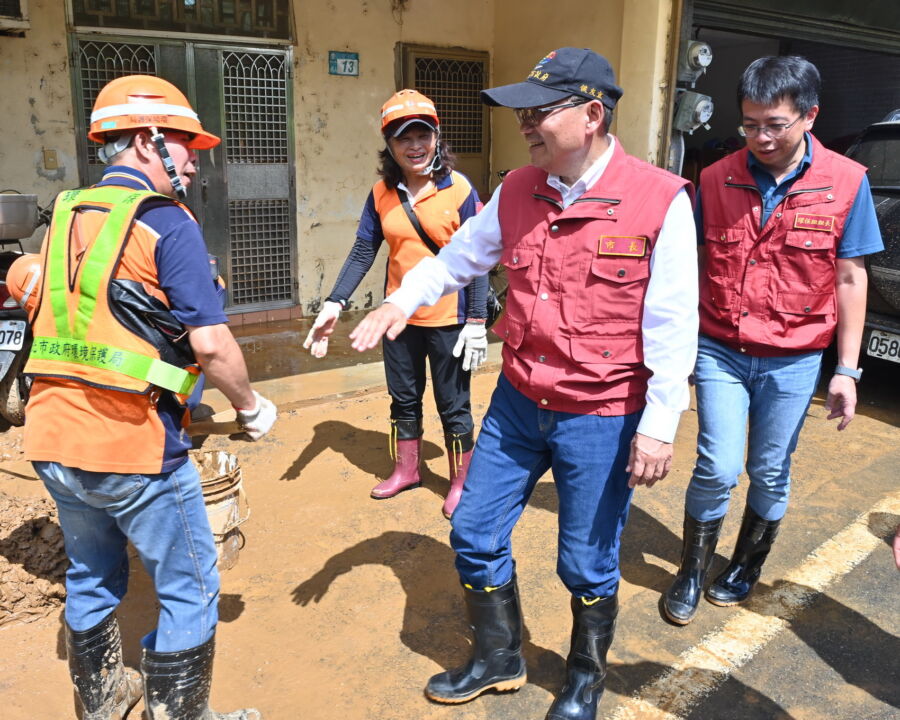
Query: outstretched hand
[[387, 320], [648, 461], [317, 340]]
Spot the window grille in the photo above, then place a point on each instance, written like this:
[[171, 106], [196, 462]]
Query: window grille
[[255, 108], [101, 62], [11, 8], [260, 233], [252, 18], [455, 87], [454, 79]]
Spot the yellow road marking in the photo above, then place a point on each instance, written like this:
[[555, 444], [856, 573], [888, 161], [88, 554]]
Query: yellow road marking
[[701, 669]]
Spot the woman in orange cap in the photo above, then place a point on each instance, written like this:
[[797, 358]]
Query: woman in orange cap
[[416, 206]]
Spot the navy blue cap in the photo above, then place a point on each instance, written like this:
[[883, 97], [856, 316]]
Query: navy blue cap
[[560, 74]]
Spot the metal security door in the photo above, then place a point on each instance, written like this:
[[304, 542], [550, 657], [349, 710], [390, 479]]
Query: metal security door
[[250, 203], [243, 194]]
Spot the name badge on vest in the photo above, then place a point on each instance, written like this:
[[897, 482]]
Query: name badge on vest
[[622, 245], [805, 221]]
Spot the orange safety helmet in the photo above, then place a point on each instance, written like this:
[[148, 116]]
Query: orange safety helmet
[[23, 281], [409, 104], [143, 101]]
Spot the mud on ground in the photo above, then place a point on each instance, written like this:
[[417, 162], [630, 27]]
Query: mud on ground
[[341, 607], [32, 557]]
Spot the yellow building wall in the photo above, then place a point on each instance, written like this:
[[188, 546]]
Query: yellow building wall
[[337, 119], [632, 34], [650, 37], [527, 32], [37, 108]]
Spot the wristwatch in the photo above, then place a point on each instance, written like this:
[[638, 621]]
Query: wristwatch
[[849, 372]]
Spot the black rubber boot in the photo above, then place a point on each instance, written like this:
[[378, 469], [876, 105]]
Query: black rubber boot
[[592, 633], [496, 662], [177, 684], [697, 550], [754, 541], [104, 688]]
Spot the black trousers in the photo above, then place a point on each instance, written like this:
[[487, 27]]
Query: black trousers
[[404, 368]]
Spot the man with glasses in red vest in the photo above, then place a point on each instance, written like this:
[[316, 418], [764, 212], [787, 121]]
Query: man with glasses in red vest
[[784, 227]]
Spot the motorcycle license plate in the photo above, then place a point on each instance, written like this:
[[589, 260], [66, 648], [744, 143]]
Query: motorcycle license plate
[[884, 345], [12, 334]]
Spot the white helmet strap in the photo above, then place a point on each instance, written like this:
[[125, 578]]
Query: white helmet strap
[[113, 147]]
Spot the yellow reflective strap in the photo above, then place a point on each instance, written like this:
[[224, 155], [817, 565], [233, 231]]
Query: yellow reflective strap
[[487, 589], [125, 362], [592, 601]]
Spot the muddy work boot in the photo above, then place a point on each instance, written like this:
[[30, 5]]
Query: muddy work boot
[[697, 550], [177, 684], [104, 688], [593, 623], [406, 450], [459, 450], [496, 662], [754, 541]]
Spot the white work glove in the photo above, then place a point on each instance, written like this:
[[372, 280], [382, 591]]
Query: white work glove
[[472, 344], [322, 328], [257, 421]]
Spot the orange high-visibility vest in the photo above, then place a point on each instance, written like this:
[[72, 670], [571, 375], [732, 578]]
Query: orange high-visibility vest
[[76, 334]]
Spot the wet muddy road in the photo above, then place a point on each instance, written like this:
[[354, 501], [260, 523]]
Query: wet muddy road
[[341, 607]]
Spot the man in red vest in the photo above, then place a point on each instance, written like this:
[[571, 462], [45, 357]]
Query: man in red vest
[[784, 226], [599, 339]]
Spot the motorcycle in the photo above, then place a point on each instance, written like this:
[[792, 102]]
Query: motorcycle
[[20, 216], [15, 346]]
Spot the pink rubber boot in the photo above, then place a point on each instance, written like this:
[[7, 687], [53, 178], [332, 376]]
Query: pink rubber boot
[[459, 468], [406, 470]]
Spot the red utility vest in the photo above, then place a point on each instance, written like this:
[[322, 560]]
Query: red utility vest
[[771, 290], [577, 281]]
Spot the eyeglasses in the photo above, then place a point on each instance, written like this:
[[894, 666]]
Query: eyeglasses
[[536, 115], [774, 131]]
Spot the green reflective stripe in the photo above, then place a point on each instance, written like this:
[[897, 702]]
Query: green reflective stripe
[[95, 266], [106, 357], [56, 259]]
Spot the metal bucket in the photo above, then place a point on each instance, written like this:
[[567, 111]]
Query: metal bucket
[[226, 502], [18, 216]]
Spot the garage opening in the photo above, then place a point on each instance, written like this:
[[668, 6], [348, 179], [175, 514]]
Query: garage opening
[[855, 46]]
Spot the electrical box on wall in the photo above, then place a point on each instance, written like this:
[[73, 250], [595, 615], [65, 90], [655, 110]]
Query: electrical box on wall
[[692, 110], [14, 17], [693, 60]]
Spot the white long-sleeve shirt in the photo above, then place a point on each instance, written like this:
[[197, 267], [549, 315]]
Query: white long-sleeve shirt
[[669, 324]]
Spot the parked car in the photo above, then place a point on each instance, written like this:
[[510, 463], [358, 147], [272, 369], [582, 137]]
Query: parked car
[[878, 148]]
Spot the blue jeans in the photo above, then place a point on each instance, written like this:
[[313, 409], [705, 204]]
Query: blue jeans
[[517, 444], [773, 393], [165, 519]]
